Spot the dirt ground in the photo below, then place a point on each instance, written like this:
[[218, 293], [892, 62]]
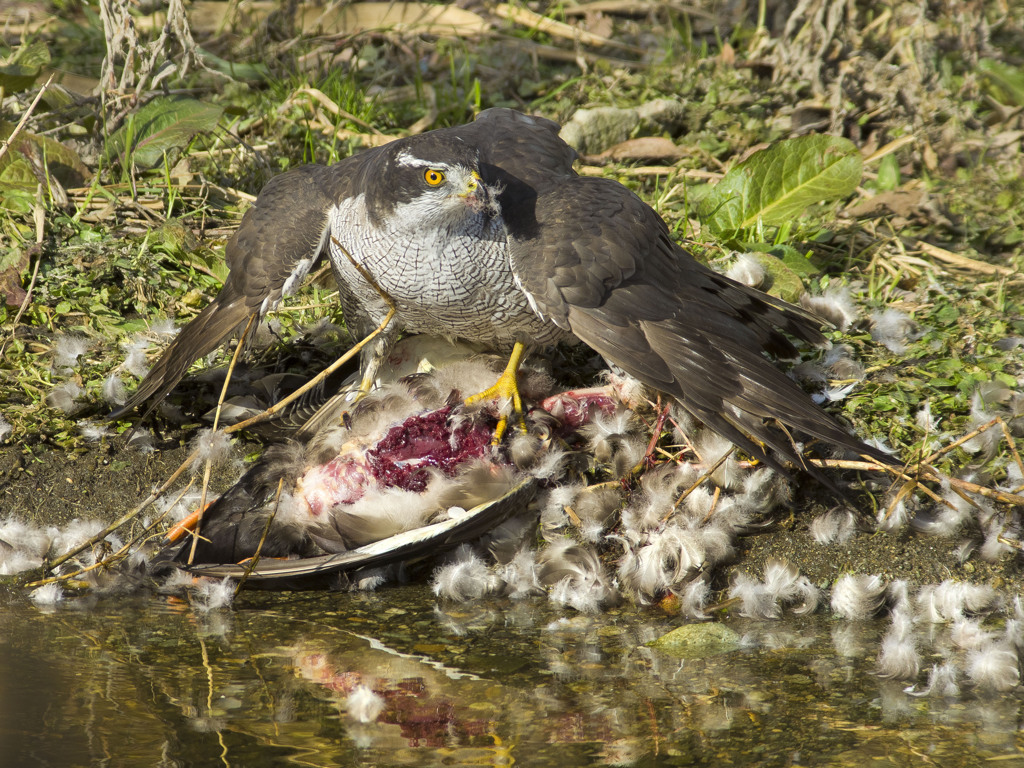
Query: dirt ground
[[51, 486]]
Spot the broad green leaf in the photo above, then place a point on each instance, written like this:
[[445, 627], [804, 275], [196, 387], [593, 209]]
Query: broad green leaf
[[888, 173], [30, 160], [795, 260], [164, 124], [777, 184], [1006, 82], [788, 255], [786, 282], [239, 71], [20, 70], [16, 174]]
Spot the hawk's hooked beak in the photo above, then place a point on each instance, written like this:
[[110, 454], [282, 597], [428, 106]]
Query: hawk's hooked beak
[[473, 183], [475, 193]]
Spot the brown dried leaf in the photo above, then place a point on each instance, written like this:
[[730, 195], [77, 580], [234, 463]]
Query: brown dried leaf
[[901, 202], [598, 24], [13, 264], [648, 148], [420, 18]]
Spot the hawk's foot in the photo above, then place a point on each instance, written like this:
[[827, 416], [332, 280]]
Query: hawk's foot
[[506, 388]]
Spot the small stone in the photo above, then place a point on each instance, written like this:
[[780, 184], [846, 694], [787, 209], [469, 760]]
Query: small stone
[[695, 641], [665, 114], [594, 130]]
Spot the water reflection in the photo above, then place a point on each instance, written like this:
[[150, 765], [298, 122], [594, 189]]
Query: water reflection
[[149, 681]]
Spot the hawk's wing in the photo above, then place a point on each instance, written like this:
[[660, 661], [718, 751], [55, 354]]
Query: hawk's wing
[[598, 261], [280, 237], [522, 156]]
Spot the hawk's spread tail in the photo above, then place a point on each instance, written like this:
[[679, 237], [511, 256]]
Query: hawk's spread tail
[[207, 331]]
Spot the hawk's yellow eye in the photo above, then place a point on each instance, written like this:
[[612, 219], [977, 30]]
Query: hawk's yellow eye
[[433, 176]]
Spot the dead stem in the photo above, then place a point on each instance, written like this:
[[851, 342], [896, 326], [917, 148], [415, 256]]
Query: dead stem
[[9, 141], [114, 557], [928, 473], [255, 559], [1013, 449], [710, 471], [208, 468]]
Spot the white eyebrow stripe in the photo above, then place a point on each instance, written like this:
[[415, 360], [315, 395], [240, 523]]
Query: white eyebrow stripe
[[410, 161]]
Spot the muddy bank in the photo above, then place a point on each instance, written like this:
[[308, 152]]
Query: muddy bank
[[51, 486]]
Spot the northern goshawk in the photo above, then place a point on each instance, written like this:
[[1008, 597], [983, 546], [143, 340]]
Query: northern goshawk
[[485, 232]]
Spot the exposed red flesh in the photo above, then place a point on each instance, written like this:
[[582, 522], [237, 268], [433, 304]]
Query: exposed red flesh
[[576, 407], [402, 457]]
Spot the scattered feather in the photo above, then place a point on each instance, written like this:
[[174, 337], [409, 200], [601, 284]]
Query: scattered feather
[[834, 305], [712, 447], [833, 394], [694, 598], [550, 465], [997, 539], [894, 517], [575, 576], [756, 601], [525, 449], [748, 270], [964, 550], [947, 519], [596, 507], [783, 586], [1014, 629], [898, 657], [842, 365], [176, 582], [142, 440], [993, 666], [894, 329], [953, 600], [370, 580], [925, 420], [48, 595], [164, 328], [465, 578], [521, 575], [213, 446], [835, 527], [67, 349], [784, 582], [212, 595], [984, 404], [857, 596], [899, 595], [113, 390], [63, 397], [660, 561], [553, 516], [93, 432], [136, 361], [942, 681], [969, 634]]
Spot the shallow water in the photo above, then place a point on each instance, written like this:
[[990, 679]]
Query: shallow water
[[149, 681]]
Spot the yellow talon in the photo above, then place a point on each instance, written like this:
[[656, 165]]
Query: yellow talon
[[505, 388]]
